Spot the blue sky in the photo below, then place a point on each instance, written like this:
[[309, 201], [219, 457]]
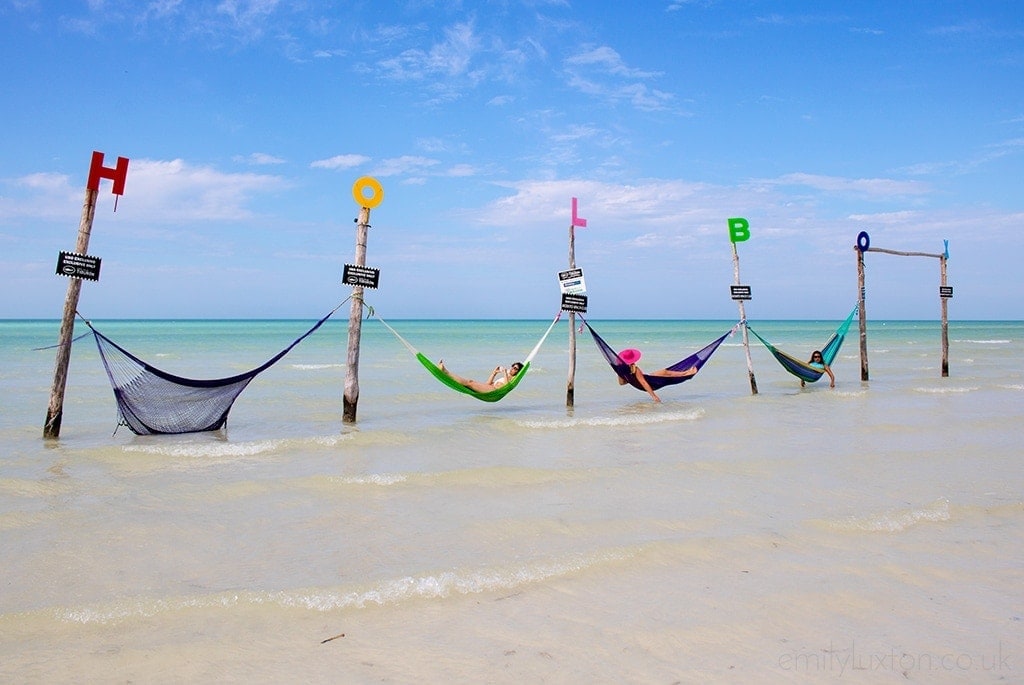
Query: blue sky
[[248, 121]]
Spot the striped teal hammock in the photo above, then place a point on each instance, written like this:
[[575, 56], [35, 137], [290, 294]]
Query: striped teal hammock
[[804, 370]]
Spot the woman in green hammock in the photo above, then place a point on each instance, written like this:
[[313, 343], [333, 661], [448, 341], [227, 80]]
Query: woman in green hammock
[[498, 377]]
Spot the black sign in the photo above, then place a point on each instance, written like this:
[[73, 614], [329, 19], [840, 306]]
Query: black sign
[[740, 292], [361, 275], [74, 265], [570, 274], [946, 291], [574, 303]]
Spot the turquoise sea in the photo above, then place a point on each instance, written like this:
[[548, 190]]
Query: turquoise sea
[[871, 532]]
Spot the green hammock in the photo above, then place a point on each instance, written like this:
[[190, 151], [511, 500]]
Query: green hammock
[[804, 370], [490, 396]]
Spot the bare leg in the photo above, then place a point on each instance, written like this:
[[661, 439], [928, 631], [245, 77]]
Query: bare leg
[[676, 374], [468, 382], [639, 375]]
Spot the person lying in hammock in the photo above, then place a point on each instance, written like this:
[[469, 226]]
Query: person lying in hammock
[[632, 356], [499, 377], [818, 362]]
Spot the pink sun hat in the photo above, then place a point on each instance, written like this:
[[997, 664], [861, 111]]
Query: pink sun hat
[[630, 356]]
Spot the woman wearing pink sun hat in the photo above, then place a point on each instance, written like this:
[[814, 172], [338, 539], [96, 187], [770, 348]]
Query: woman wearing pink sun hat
[[631, 356]]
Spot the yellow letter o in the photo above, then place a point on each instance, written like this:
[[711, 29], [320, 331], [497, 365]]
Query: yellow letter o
[[360, 187]]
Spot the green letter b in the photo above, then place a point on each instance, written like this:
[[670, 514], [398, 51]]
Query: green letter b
[[739, 230]]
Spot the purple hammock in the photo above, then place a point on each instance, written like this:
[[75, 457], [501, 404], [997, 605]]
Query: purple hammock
[[695, 360]]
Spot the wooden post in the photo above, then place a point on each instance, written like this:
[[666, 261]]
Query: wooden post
[[862, 316], [743, 318], [55, 410], [570, 387], [118, 174], [355, 317], [355, 324], [945, 319]]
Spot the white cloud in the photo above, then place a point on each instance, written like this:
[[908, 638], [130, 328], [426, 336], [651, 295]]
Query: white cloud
[[172, 191], [872, 187], [340, 162], [407, 164], [501, 100], [260, 159], [462, 170], [156, 192], [450, 57], [608, 61], [601, 72], [48, 196]]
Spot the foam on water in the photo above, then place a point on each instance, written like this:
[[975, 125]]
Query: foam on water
[[426, 586], [621, 420], [895, 520], [495, 476], [947, 390], [209, 450]]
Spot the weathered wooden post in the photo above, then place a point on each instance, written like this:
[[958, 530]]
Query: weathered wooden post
[[358, 276], [570, 385], [862, 245], [78, 266], [570, 388], [945, 292], [739, 230]]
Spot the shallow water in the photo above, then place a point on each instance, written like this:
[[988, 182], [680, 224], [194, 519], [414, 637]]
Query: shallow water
[[870, 531]]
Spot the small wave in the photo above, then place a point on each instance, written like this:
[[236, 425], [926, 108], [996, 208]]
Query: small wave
[[1016, 386], [229, 450], [497, 476], [984, 342], [624, 420], [386, 592], [946, 391], [895, 520], [244, 449], [372, 479], [316, 367]]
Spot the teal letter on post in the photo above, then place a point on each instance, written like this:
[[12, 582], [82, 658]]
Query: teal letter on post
[[739, 230]]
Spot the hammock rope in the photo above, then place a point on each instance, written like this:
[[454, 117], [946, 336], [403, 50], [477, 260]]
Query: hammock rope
[[696, 360], [804, 370], [152, 401], [438, 373]]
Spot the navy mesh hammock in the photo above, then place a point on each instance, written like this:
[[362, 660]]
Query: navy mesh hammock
[[695, 360], [151, 401], [806, 371]]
